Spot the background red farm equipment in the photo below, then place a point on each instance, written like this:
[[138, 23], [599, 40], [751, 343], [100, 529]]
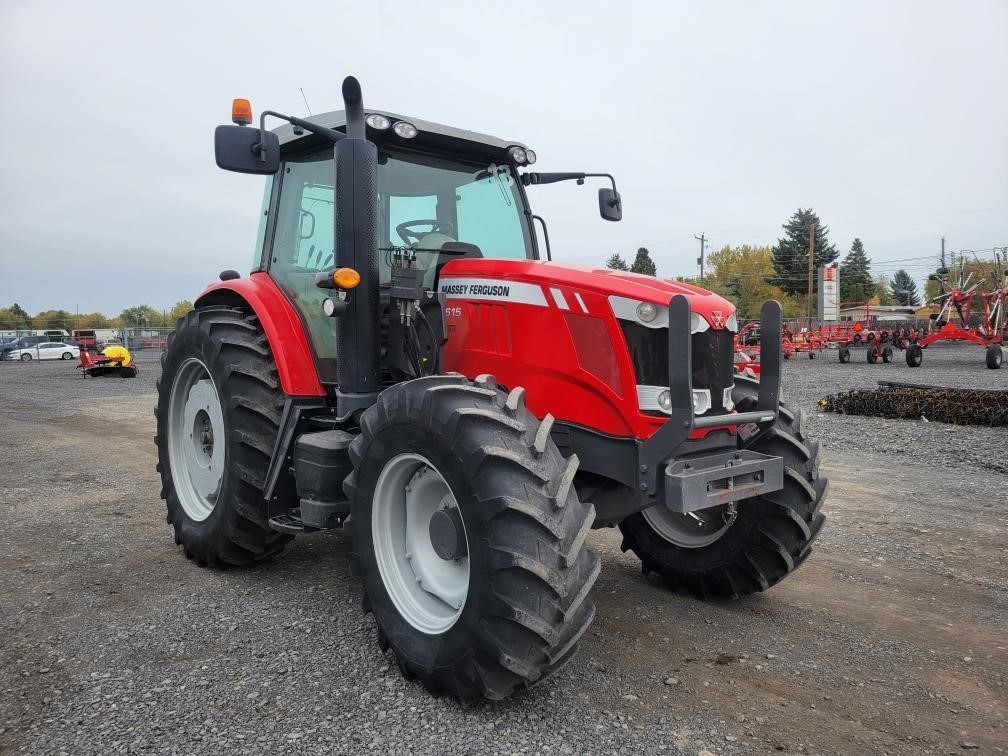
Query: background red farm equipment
[[878, 340], [990, 330]]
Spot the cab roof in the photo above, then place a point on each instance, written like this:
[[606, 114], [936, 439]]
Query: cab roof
[[429, 134]]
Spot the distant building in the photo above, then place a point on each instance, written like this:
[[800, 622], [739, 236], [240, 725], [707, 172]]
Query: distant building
[[880, 312]]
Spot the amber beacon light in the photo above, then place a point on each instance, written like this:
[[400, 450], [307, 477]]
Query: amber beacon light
[[241, 111]]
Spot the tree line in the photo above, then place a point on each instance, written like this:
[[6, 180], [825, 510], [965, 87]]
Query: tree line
[[749, 275], [15, 318]]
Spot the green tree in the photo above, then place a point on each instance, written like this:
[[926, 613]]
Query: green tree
[[643, 263], [904, 289], [616, 262], [791, 253], [856, 282], [140, 316], [178, 310], [744, 275], [14, 318]]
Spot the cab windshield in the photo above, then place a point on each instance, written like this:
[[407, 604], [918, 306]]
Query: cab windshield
[[424, 202]]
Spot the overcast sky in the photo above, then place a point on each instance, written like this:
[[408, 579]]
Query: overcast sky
[[890, 119]]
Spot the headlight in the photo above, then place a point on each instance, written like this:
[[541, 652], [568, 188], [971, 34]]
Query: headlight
[[665, 401], [378, 121], [732, 323], [697, 323], [701, 401], [405, 129], [646, 312], [726, 399]]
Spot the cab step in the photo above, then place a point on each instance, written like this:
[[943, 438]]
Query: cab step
[[287, 523]]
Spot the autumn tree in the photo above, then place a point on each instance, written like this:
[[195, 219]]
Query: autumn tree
[[179, 310], [791, 252], [55, 319], [140, 316], [744, 275], [14, 318]]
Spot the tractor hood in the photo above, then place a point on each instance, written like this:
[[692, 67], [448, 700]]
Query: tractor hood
[[612, 283]]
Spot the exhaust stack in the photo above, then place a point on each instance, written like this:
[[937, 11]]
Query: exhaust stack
[[356, 224]]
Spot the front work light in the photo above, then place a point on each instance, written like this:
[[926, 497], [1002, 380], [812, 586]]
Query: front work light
[[378, 121], [518, 154], [646, 312], [241, 111], [530, 156], [346, 278], [405, 129]]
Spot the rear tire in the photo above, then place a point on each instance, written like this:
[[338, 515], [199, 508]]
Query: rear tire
[[226, 358], [525, 605], [887, 355], [994, 356], [844, 355], [66, 356], [914, 355], [769, 538], [873, 355]]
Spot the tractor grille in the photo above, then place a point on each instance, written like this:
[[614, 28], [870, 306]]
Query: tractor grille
[[712, 360]]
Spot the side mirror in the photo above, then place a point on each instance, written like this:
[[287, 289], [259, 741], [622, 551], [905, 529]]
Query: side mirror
[[610, 205], [238, 148]]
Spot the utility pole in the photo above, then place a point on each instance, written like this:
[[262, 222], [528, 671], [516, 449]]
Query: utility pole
[[811, 268], [703, 241]]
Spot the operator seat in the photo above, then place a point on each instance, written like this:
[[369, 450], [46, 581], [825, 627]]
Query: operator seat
[[433, 240]]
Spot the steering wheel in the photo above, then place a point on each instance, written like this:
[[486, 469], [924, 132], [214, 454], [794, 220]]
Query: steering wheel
[[405, 230]]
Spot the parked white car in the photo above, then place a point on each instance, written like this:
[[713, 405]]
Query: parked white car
[[49, 350]]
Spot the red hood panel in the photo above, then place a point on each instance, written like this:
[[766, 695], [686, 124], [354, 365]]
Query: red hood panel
[[600, 280]]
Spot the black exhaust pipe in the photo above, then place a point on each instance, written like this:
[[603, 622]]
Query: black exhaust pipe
[[358, 345]]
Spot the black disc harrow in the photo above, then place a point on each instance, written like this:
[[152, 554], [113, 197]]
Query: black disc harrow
[[934, 403]]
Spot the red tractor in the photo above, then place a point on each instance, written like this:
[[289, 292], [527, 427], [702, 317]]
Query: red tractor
[[401, 362]]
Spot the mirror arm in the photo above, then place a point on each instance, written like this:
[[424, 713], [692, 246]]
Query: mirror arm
[[549, 253], [552, 178], [323, 131]]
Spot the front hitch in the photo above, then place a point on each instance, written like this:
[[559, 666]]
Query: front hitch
[[662, 445]]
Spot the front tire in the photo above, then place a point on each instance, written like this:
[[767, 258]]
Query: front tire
[[844, 355], [523, 607], [218, 414], [764, 541], [26, 358], [994, 356], [914, 355]]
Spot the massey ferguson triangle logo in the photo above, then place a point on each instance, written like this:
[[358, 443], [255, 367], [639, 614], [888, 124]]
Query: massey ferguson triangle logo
[[718, 317]]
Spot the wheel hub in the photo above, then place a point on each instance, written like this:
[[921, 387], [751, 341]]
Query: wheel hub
[[195, 419], [692, 530], [420, 543]]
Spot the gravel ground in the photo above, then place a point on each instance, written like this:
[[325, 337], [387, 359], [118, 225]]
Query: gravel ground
[[892, 638]]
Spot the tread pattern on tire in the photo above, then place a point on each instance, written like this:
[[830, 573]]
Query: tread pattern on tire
[[771, 536], [536, 607], [252, 403]]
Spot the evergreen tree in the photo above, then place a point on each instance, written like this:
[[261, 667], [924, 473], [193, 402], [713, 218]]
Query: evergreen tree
[[616, 262], [643, 263], [791, 252], [904, 289], [856, 282]]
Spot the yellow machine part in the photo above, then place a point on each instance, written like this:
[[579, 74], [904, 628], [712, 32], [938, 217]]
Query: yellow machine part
[[118, 353]]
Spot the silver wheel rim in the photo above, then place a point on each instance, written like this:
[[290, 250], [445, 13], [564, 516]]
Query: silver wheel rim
[[693, 530], [428, 591], [195, 439]]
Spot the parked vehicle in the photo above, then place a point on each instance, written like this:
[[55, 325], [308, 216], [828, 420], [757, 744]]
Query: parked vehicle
[[47, 350], [21, 343]]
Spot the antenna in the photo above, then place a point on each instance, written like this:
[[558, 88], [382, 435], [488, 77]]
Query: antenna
[[305, 100]]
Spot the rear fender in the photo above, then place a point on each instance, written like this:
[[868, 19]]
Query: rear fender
[[281, 324]]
